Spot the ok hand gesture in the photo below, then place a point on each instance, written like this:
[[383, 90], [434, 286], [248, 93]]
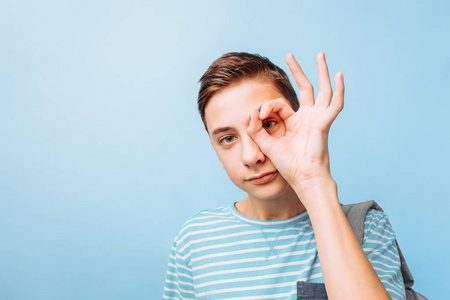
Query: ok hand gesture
[[301, 155]]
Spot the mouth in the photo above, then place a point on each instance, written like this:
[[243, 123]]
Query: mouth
[[263, 178]]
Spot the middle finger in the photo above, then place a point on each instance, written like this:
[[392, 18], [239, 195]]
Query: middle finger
[[325, 92]]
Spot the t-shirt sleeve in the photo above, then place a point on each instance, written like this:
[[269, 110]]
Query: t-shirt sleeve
[[381, 250], [179, 281]]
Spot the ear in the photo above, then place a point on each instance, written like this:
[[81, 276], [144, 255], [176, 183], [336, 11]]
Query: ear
[[209, 138]]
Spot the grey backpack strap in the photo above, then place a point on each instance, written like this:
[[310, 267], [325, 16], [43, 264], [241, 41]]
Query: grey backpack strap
[[356, 215]]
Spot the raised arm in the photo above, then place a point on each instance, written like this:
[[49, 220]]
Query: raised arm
[[301, 157]]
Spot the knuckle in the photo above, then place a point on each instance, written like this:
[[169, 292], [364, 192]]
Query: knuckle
[[306, 87], [339, 106], [280, 100]]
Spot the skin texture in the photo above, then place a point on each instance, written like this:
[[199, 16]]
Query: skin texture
[[261, 133], [242, 158]]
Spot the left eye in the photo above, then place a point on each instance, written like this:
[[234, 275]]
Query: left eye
[[268, 125]]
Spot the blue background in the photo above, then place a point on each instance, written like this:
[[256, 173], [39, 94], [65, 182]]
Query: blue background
[[103, 155]]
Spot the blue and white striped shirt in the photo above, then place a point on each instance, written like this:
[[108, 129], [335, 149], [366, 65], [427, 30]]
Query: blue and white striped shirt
[[221, 254]]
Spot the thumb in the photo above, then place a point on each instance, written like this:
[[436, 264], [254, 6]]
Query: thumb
[[259, 134]]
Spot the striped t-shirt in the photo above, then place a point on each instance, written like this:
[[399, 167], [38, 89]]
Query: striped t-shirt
[[221, 254]]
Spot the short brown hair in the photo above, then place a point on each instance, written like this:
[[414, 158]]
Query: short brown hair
[[234, 67]]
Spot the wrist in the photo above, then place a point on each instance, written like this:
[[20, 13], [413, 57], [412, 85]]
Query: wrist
[[316, 190], [313, 183]]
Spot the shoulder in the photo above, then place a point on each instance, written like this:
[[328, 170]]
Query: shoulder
[[206, 216], [374, 215], [203, 221], [377, 222]]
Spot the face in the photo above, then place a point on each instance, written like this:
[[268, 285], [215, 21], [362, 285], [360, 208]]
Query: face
[[227, 116]]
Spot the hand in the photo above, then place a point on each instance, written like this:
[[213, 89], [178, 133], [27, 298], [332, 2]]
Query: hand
[[301, 155]]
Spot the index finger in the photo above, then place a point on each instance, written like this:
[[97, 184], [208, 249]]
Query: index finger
[[279, 106], [325, 91]]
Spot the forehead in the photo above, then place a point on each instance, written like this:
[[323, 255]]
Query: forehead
[[231, 107]]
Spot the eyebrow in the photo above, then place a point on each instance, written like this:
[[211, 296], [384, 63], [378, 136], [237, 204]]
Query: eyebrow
[[259, 108], [221, 129]]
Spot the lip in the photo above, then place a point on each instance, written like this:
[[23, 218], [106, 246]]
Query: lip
[[263, 178]]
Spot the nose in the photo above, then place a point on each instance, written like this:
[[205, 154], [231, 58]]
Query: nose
[[251, 153]]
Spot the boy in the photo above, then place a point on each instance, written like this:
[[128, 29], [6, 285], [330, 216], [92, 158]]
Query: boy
[[290, 229]]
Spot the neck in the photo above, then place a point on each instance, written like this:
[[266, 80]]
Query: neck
[[284, 206]]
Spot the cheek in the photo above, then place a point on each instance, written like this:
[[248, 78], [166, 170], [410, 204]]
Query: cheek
[[231, 161], [232, 169], [227, 159]]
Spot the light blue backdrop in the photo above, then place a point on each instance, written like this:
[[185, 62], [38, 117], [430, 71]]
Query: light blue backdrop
[[103, 155]]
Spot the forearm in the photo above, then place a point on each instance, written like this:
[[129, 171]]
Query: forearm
[[346, 270]]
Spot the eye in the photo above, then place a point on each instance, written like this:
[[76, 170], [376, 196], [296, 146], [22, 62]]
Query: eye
[[267, 125], [227, 140]]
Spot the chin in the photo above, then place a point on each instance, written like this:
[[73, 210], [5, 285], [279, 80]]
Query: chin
[[269, 192]]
